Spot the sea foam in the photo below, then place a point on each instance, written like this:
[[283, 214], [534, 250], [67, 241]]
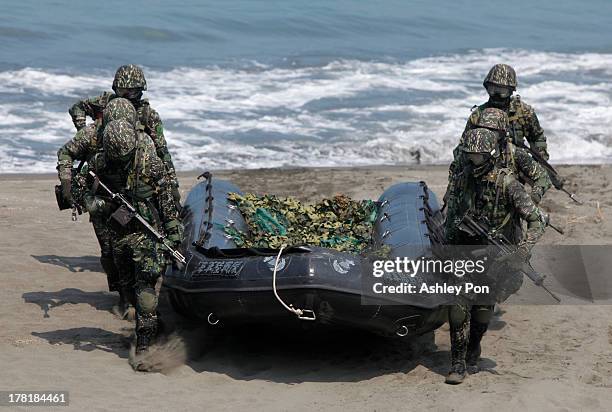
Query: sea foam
[[347, 112]]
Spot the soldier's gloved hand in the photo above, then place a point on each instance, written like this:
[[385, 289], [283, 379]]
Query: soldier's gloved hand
[[536, 195], [517, 259], [175, 232], [96, 205], [80, 123], [67, 190]]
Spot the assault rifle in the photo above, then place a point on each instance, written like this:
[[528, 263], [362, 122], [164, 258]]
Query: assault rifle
[[555, 178], [505, 248], [133, 213]]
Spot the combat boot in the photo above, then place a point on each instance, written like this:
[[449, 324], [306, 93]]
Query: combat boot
[[456, 374], [477, 331]]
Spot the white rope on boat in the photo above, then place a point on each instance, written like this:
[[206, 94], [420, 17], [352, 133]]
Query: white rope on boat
[[303, 314]]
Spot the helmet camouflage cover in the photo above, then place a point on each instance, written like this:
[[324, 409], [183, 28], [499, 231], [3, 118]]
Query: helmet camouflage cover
[[129, 76], [501, 75], [480, 141], [119, 139], [120, 109], [493, 118]]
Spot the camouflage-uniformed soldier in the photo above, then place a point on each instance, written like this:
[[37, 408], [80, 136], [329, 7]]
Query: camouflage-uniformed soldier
[[132, 167], [84, 146], [519, 160], [493, 192], [500, 84], [129, 83]]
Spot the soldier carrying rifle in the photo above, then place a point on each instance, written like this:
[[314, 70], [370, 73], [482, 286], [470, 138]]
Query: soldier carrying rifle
[[486, 186]]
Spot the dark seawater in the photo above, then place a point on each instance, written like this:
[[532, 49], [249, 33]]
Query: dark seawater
[[278, 83]]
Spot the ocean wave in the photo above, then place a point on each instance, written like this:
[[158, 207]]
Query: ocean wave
[[347, 112]]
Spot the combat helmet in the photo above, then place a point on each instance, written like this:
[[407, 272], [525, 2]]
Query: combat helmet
[[129, 76], [482, 141], [119, 140], [501, 75], [120, 109], [493, 119]]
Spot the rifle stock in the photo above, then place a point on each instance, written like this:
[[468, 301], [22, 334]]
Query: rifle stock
[[152, 231]]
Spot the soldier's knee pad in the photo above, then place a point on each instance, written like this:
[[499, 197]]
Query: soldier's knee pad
[[457, 315], [482, 314], [146, 300]]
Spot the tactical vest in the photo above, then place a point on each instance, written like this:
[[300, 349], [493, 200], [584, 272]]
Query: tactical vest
[[144, 113], [490, 200], [139, 183], [517, 117]]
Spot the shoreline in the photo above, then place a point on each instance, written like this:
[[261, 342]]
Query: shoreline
[[407, 166]]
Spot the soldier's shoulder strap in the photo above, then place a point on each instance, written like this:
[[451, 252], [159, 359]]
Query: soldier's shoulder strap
[[510, 153], [145, 111], [505, 176], [519, 110], [475, 113]]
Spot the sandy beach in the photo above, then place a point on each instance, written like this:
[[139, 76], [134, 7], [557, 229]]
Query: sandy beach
[[58, 331]]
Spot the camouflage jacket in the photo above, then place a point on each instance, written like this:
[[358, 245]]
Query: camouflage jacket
[[83, 146], [524, 124], [149, 118], [144, 181], [501, 200], [519, 160]]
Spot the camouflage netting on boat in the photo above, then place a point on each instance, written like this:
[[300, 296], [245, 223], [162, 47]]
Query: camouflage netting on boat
[[339, 223]]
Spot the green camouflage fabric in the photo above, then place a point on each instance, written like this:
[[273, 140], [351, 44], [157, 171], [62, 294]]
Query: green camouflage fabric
[[129, 76], [480, 141], [120, 109], [119, 139], [523, 124], [339, 223], [501, 75], [459, 325], [494, 119], [143, 180], [83, 147], [519, 160], [105, 237], [92, 107], [500, 199], [147, 116]]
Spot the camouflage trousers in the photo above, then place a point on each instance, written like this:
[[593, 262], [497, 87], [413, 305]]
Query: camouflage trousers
[[468, 324], [141, 263], [105, 235]]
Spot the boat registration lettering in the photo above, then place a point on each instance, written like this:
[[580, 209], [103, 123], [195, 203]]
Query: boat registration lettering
[[222, 268]]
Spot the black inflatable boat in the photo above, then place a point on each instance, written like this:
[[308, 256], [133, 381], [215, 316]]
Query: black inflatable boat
[[223, 284]]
